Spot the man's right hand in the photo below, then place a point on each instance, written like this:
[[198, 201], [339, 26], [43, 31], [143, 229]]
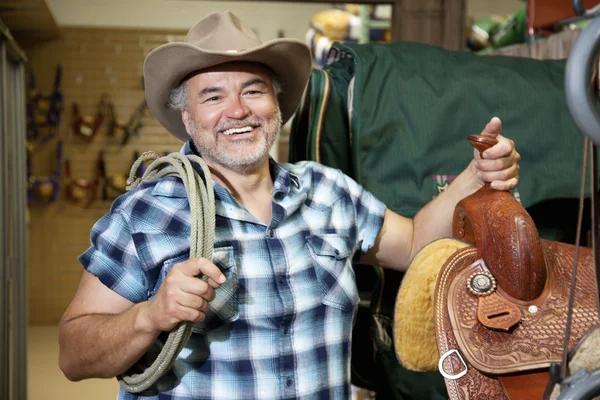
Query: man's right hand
[[182, 296]]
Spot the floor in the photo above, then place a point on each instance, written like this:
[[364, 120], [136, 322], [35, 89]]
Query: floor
[[46, 381]]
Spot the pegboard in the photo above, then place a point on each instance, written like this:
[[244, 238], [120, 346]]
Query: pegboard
[[94, 61]]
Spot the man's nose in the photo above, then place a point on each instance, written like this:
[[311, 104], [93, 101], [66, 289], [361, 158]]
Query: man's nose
[[237, 109]]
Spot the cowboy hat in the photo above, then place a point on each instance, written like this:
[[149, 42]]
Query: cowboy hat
[[218, 38]]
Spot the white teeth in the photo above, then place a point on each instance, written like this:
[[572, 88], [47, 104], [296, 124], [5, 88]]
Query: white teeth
[[238, 130]]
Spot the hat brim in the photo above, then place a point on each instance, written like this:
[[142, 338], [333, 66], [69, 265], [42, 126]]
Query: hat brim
[[166, 66]]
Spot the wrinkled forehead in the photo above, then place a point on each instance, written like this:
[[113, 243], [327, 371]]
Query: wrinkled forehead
[[232, 70]]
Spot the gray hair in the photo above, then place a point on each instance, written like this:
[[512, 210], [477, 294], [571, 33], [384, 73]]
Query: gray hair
[[178, 96]]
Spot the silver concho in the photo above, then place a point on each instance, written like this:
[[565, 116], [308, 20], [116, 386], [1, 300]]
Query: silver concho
[[481, 283]]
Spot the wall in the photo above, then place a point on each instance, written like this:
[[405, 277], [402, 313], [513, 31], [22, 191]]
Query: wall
[[94, 61], [484, 8], [266, 18]]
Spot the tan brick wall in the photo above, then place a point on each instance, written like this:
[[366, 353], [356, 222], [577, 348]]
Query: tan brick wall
[[94, 61]]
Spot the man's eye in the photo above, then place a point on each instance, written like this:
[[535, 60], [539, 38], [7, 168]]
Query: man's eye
[[212, 99], [253, 93]]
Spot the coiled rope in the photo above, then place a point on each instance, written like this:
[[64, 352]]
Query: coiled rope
[[202, 210]]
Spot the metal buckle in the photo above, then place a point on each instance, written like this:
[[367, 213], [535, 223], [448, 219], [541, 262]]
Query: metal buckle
[[441, 365]]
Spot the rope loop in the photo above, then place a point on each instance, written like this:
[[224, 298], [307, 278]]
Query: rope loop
[[202, 212]]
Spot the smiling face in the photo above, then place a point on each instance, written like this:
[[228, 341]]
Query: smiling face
[[233, 116]]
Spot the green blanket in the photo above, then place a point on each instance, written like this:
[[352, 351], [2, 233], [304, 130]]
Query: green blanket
[[402, 131]]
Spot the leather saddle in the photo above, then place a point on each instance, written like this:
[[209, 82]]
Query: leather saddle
[[501, 303]]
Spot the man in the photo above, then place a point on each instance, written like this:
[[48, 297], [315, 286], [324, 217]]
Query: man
[[274, 319]]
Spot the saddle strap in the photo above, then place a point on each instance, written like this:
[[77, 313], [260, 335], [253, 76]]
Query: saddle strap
[[565, 352], [525, 386]]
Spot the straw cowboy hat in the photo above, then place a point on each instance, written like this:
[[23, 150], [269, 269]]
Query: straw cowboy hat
[[218, 38]]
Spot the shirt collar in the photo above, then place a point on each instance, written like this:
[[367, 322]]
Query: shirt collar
[[283, 180]]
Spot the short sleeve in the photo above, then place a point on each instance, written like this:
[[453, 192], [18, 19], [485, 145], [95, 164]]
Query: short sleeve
[[112, 257], [370, 212]]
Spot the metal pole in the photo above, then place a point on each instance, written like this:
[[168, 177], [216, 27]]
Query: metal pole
[[4, 230], [19, 225]]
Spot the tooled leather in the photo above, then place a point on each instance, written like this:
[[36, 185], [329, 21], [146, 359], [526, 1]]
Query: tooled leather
[[491, 306], [473, 385], [538, 339], [506, 237]]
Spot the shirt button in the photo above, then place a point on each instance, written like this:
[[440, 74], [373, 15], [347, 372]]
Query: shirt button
[[270, 232], [289, 382]]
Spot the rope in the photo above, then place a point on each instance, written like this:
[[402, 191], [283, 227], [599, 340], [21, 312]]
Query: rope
[[202, 211]]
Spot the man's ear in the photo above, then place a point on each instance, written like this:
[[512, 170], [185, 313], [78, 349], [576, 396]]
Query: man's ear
[[185, 118]]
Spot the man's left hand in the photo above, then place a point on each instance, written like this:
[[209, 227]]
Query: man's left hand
[[499, 164]]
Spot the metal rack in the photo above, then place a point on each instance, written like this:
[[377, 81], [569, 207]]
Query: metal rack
[[13, 228]]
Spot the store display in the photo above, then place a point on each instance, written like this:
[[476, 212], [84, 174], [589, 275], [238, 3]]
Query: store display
[[115, 184], [495, 31], [86, 126], [44, 189], [350, 24], [120, 132], [44, 111], [82, 191]]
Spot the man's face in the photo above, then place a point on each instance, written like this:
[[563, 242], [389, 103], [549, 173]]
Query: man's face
[[233, 115]]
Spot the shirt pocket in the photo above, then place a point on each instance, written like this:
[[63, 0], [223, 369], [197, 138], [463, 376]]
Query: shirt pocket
[[225, 306], [332, 255]]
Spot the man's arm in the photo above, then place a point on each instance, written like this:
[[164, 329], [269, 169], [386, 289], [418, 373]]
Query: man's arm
[[102, 334], [400, 238]]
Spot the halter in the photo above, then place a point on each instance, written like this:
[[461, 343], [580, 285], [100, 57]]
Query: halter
[[115, 185], [82, 191], [44, 190], [86, 127], [43, 111], [123, 132]]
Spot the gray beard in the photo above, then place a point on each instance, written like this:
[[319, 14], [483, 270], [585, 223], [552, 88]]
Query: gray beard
[[241, 156]]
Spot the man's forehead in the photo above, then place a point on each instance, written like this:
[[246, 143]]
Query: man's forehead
[[231, 69]]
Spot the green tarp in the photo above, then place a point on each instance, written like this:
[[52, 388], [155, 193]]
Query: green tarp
[[412, 107]]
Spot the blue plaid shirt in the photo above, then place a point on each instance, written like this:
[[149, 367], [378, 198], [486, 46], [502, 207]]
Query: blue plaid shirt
[[280, 327]]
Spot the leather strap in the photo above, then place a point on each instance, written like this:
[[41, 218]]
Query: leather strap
[[564, 361], [595, 227], [525, 386]]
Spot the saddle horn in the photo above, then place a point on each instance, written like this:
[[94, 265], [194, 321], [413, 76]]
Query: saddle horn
[[505, 236]]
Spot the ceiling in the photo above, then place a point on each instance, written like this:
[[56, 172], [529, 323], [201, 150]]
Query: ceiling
[[29, 21]]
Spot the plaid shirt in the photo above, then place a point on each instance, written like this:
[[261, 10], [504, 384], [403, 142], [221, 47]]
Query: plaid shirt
[[280, 327]]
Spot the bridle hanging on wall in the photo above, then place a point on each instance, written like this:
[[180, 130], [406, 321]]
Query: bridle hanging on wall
[[44, 190], [120, 132], [81, 191], [86, 127], [115, 185], [44, 111]]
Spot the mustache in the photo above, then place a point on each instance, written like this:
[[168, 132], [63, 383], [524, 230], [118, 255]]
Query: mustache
[[253, 122]]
